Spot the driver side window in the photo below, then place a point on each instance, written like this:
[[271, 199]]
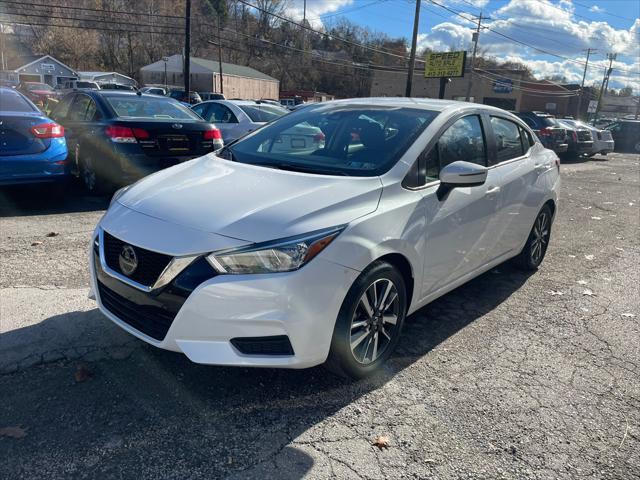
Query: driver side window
[[462, 141]]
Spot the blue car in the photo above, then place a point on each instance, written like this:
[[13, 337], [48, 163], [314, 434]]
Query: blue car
[[32, 147]]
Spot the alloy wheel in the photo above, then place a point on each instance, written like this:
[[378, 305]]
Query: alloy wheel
[[374, 321], [541, 233]]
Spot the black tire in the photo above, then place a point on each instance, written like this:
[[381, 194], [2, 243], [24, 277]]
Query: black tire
[[355, 324], [91, 180], [535, 249]]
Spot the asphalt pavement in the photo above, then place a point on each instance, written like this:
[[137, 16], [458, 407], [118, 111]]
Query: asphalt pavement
[[514, 376]]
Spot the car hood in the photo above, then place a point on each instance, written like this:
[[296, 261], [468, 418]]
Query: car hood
[[251, 203]]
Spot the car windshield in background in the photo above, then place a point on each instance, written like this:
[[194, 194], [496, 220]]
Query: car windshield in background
[[364, 141], [134, 106], [13, 102], [39, 86], [86, 85], [263, 113]]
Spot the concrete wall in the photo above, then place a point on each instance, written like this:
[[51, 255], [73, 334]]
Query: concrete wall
[[392, 84]]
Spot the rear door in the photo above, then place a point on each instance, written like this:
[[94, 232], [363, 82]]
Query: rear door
[[514, 172]]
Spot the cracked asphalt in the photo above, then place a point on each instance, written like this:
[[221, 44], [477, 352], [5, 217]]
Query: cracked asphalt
[[512, 376]]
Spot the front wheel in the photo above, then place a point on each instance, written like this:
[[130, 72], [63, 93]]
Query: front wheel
[[535, 249], [369, 323]]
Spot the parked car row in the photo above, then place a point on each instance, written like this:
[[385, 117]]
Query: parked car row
[[108, 138], [573, 138]]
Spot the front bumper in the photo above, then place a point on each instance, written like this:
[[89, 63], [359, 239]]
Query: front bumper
[[301, 305]]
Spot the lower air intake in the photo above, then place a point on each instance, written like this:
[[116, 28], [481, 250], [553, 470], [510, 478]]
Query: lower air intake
[[276, 345]]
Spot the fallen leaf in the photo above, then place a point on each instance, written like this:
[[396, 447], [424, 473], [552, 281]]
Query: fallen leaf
[[589, 257], [596, 218], [82, 374], [582, 282], [556, 292], [52, 234], [619, 248], [381, 442], [35, 244], [586, 208], [628, 315], [588, 293], [13, 432], [572, 256]]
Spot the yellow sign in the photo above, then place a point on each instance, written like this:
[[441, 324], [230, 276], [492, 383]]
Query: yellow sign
[[445, 64]]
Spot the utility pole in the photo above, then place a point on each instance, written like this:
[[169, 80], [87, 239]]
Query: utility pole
[[475, 37], [304, 22], [187, 50], [414, 44], [220, 57], [605, 81], [584, 76]]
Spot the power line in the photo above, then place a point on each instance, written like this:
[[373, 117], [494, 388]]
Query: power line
[[108, 22], [77, 27], [324, 34], [100, 10]]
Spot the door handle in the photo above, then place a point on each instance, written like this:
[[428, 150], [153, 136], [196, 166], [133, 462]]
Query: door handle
[[542, 166], [493, 190]]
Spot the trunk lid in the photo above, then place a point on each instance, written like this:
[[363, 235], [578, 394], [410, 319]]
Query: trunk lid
[[171, 138], [16, 137]]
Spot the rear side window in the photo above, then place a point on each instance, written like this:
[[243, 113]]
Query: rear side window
[[508, 139], [262, 113], [11, 101]]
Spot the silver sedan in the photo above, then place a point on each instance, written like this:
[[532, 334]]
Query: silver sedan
[[236, 118]]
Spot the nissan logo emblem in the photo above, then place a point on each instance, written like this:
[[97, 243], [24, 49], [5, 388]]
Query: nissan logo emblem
[[128, 260]]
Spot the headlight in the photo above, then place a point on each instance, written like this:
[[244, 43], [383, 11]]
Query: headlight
[[118, 194], [283, 255]]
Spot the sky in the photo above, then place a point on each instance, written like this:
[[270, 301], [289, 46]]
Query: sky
[[554, 34]]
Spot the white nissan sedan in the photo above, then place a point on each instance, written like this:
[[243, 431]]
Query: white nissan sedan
[[268, 254]]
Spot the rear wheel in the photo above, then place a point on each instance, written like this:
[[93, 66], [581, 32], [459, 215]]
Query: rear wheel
[[90, 179], [369, 323], [535, 249]]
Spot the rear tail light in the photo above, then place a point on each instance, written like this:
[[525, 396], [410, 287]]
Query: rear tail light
[[574, 135], [213, 134], [318, 137], [546, 132], [119, 134], [48, 130]]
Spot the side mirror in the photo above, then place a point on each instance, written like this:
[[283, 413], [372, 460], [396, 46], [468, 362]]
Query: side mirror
[[461, 174]]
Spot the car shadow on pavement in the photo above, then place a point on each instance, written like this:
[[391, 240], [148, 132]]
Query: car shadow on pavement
[[156, 414], [46, 199]]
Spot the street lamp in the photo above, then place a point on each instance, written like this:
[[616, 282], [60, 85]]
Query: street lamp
[[165, 60]]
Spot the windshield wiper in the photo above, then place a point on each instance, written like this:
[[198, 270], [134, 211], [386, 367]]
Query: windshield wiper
[[300, 168]]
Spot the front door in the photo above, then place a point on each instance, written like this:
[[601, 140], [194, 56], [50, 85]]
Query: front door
[[458, 233]]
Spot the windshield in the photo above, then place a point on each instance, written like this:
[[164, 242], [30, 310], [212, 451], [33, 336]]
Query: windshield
[[11, 101], [364, 141], [263, 113], [149, 107], [39, 86], [86, 85]]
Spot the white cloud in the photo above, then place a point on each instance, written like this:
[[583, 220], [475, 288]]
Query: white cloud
[[551, 27], [596, 9], [315, 8]]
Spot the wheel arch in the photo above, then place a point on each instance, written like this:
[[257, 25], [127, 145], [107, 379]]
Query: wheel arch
[[403, 265]]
